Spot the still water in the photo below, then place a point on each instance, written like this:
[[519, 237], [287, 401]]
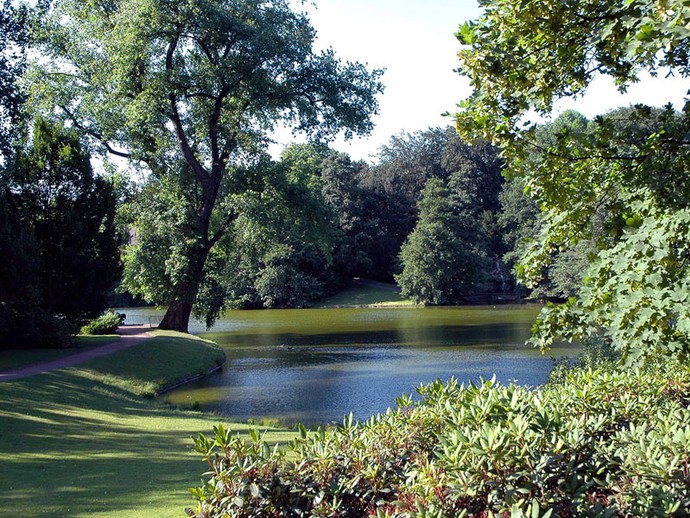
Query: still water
[[317, 365]]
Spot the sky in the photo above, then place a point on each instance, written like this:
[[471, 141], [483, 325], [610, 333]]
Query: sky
[[413, 40]]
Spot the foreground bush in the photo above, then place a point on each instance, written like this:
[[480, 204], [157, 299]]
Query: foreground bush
[[106, 324], [598, 442]]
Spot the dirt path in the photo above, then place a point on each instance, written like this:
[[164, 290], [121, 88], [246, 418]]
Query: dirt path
[[129, 337]]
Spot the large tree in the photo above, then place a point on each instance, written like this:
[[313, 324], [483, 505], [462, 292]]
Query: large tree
[[635, 166], [191, 89], [58, 239], [443, 258]]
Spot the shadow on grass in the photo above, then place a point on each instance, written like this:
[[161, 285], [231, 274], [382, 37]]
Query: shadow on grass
[[75, 447], [14, 358]]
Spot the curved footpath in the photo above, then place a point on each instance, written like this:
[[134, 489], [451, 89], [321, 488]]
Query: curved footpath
[[129, 337]]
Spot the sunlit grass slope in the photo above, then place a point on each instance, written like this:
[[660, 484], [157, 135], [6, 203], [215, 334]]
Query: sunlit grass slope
[[84, 442], [365, 293]]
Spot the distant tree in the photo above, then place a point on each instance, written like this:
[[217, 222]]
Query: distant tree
[[363, 240], [59, 217], [287, 251], [199, 83], [477, 170], [521, 221], [443, 258], [403, 167], [409, 161]]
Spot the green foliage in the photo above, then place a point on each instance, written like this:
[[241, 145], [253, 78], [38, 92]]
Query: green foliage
[[14, 39], [364, 242], [629, 292], [620, 181], [157, 255], [21, 319], [106, 324], [636, 291], [71, 214], [443, 257], [523, 55], [585, 445], [405, 165], [281, 219], [57, 236], [200, 84], [562, 273]]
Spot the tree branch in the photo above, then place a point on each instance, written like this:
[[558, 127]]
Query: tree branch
[[218, 235], [95, 134], [216, 156], [174, 115]]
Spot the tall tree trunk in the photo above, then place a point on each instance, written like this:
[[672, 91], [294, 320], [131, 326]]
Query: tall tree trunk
[[177, 316], [185, 291], [179, 310]]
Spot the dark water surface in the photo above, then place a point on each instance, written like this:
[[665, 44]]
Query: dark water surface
[[316, 365]]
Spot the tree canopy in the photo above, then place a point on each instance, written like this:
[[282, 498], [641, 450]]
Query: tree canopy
[[58, 238], [191, 90], [14, 36], [522, 56], [443, 258]]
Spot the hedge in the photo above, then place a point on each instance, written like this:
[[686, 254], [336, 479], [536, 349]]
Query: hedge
[[597, 441]]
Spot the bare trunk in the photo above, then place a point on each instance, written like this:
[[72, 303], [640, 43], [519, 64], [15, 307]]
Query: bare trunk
[[176, 318]]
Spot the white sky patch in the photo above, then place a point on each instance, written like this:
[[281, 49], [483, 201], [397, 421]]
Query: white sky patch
[[414, 41], [603, 96]]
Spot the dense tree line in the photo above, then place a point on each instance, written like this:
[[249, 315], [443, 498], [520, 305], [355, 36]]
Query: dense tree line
[[189, 98], [433, 214]]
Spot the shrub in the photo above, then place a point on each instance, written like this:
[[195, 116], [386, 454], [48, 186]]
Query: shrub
[[600, 441], [106, 324], [32, 328]]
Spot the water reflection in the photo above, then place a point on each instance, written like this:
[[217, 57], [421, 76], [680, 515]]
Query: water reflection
[[317, 365]]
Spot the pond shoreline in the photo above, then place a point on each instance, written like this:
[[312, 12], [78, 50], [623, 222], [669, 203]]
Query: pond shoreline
[[191, 379]]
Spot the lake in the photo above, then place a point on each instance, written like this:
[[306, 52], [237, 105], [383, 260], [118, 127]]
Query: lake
[[317, 365]]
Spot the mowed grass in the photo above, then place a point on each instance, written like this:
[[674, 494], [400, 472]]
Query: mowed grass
[[88, 442], [12, 358]]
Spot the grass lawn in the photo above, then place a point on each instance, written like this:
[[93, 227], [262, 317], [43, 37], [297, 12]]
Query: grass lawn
[[87, 442], [11, 358], [365, 293]]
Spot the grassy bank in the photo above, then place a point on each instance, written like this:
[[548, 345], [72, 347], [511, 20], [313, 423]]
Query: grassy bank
[[363, 293], [89, 442]]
